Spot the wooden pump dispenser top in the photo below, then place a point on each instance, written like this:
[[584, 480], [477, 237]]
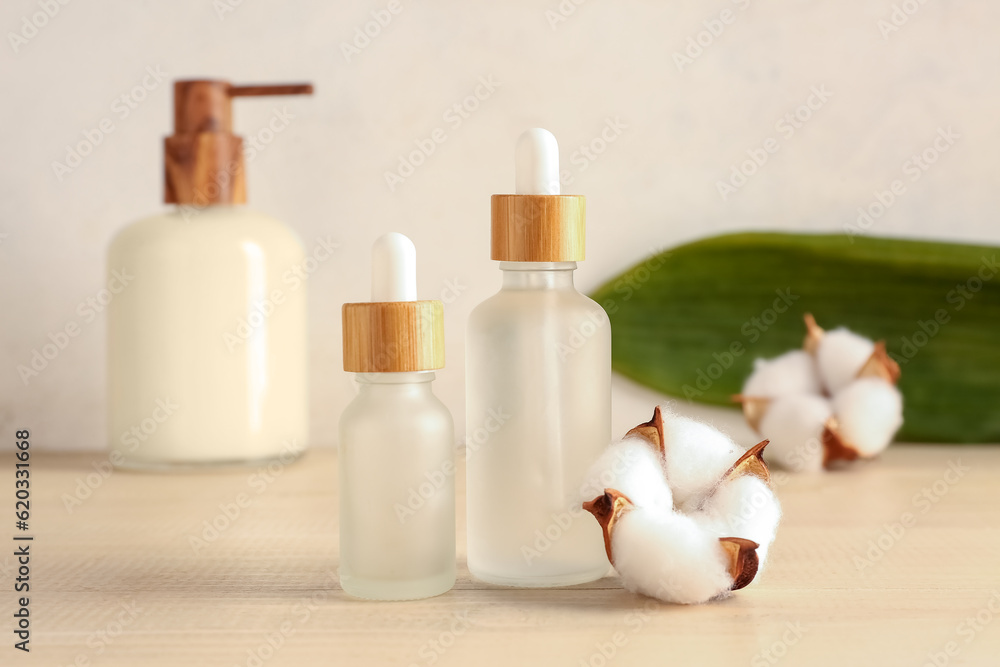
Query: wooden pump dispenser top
[[203, 159]]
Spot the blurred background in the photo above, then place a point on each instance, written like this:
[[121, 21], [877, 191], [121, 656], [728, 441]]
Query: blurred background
[[658, 108]]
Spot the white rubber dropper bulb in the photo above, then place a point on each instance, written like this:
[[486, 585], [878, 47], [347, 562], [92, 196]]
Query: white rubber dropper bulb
[[536, 163], [394, 268]]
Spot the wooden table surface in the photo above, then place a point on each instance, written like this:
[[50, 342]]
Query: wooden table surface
[[124, 572]]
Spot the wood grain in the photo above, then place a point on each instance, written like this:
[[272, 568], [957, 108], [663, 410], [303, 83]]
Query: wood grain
[[203, 159], [204, 169], [538, 228], [844, 584], [393, 336], [202, 105]]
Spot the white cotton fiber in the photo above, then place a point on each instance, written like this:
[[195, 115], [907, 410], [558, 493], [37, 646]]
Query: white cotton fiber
[[633, 467], [799, 400], [869, 412], [665, 543], [841, 355], [794, 372], [794, 425], [669, 557], [744, 507], [696, 456]]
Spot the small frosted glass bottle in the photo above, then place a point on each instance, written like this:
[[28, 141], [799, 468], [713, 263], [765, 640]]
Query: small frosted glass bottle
[[538, 397], [396, 450]]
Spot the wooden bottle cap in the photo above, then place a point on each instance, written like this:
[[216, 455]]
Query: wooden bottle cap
[[393, 336], [203, 159], [538, 228]]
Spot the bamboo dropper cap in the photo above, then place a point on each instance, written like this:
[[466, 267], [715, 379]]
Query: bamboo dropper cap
[[538, 224], [394, 333], [203, 160]]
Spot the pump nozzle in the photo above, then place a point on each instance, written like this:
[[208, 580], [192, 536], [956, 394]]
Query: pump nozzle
[[394, 268], [536, 163], [203, 159]]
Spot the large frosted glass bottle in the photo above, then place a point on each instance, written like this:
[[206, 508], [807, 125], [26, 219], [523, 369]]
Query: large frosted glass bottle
[[207, 339], [397, 446], [538, 397]]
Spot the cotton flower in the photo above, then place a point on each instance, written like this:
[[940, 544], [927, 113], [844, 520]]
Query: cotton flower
[[669, 556], [834, 400], [869, 412], [696, 456], [692, 516], [840, 355], [743, 505], [795, 426], [633, 467], [794, 372]]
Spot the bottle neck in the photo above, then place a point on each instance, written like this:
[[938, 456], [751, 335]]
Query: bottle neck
[[207, 208], [538, 275], [420, 380]]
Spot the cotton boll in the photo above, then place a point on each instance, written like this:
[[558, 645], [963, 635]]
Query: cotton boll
[[869, 412], [841, 355], [791, 373], [696, 456], [743, 507], [669, 557], [728, 514], [633, 467], [794, 425]]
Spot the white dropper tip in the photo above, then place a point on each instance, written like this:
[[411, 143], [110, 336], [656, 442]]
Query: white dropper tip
[[536, 163], [394, 268]]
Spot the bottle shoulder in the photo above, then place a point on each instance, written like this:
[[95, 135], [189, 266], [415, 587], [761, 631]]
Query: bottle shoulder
[[510, 304], [409, 410], [212, 225]]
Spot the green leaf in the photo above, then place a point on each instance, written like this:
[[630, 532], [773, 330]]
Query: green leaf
[[690, 321]]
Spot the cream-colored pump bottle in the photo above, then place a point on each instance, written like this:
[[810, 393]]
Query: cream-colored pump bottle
[[397, 447], [538, 389], [207, 341]]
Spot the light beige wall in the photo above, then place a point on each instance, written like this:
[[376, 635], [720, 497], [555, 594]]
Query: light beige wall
[[682, 128]]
